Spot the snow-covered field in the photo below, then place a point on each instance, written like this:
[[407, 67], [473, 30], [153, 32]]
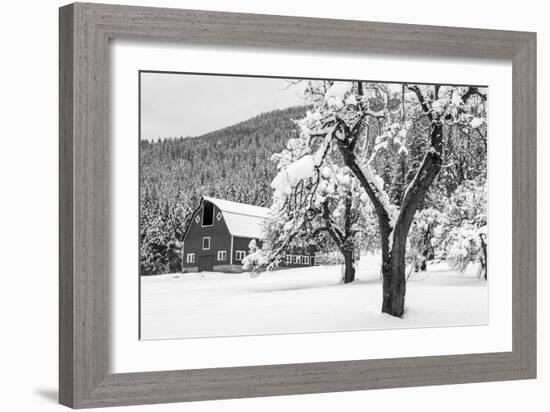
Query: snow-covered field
[[304, 300]]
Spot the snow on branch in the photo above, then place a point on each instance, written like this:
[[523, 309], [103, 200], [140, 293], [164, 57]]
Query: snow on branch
[[290, 175], [377, 185]]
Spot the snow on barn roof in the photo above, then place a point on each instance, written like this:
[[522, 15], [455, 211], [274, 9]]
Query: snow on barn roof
[[242, 220]]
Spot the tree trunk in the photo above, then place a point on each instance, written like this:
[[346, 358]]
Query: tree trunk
[[349, 266], [483, 256], [394, 297], [394, 279], [393, 256], [344, 241], [394, 249]]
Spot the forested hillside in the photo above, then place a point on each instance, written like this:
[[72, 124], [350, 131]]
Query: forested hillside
[[232, 163]]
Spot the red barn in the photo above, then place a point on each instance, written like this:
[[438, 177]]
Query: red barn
[[218, 235]]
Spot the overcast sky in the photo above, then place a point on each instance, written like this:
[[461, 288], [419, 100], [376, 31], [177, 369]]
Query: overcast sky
[[175, 105]]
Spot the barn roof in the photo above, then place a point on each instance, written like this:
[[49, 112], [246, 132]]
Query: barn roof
[[242, 220]]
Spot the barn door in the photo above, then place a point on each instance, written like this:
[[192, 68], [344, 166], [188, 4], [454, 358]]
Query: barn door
[[206, 263]]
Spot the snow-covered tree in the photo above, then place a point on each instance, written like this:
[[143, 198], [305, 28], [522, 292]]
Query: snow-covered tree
[[338, 211], [256, 257], [423, 228], [312, 205], [461, 236], [359, 120]]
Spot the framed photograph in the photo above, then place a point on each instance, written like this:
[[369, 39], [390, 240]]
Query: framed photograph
[[256, 205]]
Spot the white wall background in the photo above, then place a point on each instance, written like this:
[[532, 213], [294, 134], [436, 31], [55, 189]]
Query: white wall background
[[28, 204]]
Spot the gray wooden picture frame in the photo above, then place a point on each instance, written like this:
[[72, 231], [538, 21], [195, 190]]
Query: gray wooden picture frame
[[85, 31]]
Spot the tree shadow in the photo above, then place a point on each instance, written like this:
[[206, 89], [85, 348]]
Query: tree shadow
[[289, 288], [304, 286]]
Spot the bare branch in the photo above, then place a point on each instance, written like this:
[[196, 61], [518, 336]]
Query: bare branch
[[421, 100], [473, 91]]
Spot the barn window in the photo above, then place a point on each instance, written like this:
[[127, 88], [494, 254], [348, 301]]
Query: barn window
[[208, 214], [296, 259], [219, 216], [288, 259], [190, 258], [198, 219], [206, 243], [305, 260], [222, 255], [240, 254]]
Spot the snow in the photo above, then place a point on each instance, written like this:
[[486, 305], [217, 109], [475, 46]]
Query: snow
[[439, 105], [241, 225], [381, 145], [312, 117], [304, 300], [289, 176], [477, 122], [256, 256], [335, 95], [326, 172], [351, 100], [235, 207], [378, 184], [456, 99], [242, 220]]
